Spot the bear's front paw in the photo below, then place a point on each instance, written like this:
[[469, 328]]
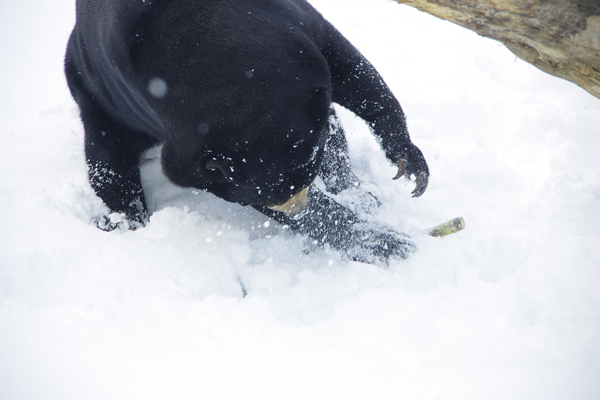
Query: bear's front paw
[[119, 221], [412, 162], [113, 221], [375, 244]]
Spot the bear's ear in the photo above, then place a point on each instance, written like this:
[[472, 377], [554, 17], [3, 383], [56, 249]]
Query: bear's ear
[[320, 103]]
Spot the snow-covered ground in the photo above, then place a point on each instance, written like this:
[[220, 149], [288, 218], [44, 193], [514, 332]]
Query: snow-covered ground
[[507, 309]]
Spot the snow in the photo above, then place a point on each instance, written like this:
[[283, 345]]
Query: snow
[[507, 309]]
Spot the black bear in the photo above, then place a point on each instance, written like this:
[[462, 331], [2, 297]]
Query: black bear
[[239, 94]]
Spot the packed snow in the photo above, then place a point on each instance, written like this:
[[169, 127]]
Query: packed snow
[[507, 309]]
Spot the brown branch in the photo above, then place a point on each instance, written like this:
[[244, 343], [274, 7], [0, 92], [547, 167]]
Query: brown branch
[[560, 37]]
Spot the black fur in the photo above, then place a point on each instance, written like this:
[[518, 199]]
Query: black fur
[[237, 91]]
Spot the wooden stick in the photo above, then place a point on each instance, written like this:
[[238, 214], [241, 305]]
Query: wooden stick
[[447, 228]]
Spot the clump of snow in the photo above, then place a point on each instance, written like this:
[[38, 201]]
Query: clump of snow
[[507, 309], [157, 87]]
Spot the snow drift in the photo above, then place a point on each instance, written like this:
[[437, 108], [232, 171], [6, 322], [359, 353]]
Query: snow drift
[[507, 309]]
